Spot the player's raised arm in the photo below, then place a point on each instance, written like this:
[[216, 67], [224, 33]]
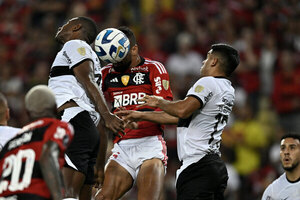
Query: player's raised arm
[[159, 117], [181, 109], [82, 74]]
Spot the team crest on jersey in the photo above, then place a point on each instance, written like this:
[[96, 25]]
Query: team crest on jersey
[[125, 79], [165, 84], [199, 88], [81, 51], [139, 78]]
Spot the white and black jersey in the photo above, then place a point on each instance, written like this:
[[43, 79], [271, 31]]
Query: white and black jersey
[[200, 134], [62, 80], [281, 189], [6, 133]]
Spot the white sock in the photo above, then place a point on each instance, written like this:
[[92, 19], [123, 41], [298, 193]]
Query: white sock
[[70, 199]]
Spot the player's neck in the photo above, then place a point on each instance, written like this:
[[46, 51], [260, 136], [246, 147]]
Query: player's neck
[[294, 175], [3, 123], [135, 61]]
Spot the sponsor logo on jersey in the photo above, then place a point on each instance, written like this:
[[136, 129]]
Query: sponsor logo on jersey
[[199, 88], [114, 80], [139, 68], [67, 57], [208, 97], [125, 79], [81, 51], [166, 84], [26, 137], [139, 78], [157, 81], [128, 99]]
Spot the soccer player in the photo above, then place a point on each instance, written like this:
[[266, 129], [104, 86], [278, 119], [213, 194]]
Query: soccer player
[[287, 186], [6, 132], [79, 101], [30, 162], [139, 156], [200, 118]]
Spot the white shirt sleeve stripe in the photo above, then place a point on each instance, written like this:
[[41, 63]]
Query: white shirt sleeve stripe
[[158, 65]]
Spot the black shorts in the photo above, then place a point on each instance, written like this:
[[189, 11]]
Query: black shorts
[[84, 146], [205, 180]]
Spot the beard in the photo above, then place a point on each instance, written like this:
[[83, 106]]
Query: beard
[[291, 168]]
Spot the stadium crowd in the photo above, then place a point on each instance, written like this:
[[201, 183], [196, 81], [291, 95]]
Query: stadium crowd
[[178, 33]]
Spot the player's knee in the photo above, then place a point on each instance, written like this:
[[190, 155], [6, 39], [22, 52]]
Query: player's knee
[[71, 193]]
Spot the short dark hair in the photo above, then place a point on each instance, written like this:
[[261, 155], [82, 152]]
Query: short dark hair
[[291, 135], [89, 27], [128, 32], [229, 57]]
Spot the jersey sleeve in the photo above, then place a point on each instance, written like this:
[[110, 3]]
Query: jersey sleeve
[[61, 133], [267, 194], [202, 90], [76, 51], [160, 81]]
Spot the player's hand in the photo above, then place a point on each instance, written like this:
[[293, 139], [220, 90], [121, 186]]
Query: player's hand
[[113, 122], [129, 115], [147, 100], [123, 113]]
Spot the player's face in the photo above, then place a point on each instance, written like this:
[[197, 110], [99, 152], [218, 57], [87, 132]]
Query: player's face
[[205, 64], [290, 153], [64, 31], [124, 64]]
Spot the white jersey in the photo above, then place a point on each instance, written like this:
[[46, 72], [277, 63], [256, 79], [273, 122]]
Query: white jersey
[[62, 80], [200, 134], [6, 133], [282, 189]]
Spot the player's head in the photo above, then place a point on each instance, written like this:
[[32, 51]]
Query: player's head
[[40, 102], [221, 57], [290, 151], [132, 53], [83, 28], [4, 110]]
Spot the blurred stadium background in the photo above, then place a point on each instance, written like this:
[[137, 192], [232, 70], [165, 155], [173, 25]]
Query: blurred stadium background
[[178, 33]]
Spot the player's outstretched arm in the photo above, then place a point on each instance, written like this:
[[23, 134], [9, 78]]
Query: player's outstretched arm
[[181, 109], [159, 117], [82, 73], [50, 169]]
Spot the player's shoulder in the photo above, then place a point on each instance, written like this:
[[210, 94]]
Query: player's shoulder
[[277, 185], [207, 80], [155, 66], [61, 124], [107, 68], [76, 44]]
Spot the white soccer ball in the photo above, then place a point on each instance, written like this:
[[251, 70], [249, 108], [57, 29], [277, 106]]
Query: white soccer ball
[[111, 45]]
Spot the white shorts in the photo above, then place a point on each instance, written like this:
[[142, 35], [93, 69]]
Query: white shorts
[[131, 153]]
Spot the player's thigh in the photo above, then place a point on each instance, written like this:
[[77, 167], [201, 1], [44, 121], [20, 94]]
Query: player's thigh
[[116, 183], [150, 179]]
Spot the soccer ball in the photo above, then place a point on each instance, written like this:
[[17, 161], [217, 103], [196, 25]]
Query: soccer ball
[[111, 45]]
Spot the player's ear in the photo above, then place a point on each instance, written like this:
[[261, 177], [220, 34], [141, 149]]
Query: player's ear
[[134, 50], [76, 27], [214, 61]]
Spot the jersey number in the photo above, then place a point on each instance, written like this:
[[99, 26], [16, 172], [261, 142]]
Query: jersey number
[[220, 119], [13, 165]]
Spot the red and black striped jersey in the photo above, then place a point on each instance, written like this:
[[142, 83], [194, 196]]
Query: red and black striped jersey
[[123, 89], [20, 170]]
